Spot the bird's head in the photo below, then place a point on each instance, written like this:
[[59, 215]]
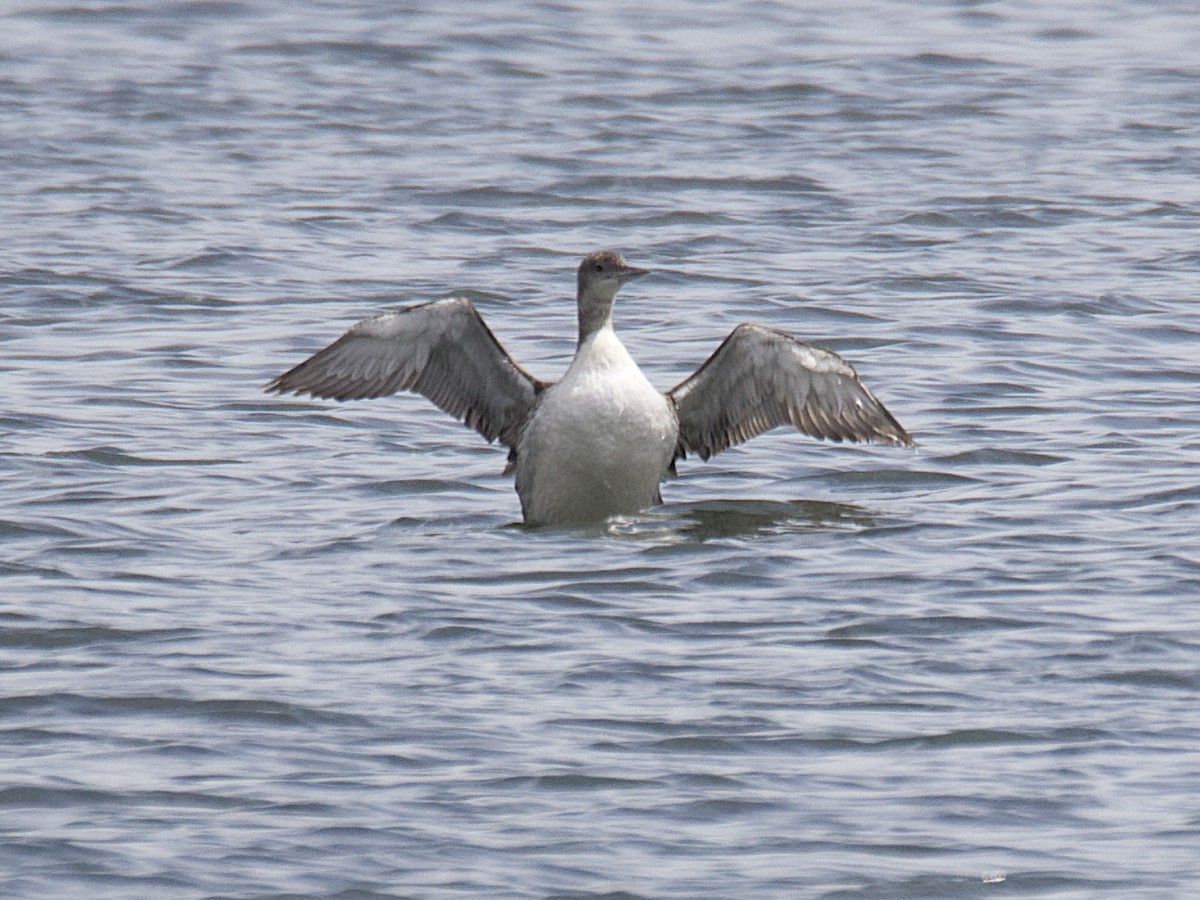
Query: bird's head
[[603, 272]]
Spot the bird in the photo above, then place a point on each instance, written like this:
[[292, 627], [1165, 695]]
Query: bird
[[598, 442]]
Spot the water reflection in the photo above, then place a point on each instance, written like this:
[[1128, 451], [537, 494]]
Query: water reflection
[[711, 519]]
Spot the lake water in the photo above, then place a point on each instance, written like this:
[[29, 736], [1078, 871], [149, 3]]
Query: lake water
[[263, 647]]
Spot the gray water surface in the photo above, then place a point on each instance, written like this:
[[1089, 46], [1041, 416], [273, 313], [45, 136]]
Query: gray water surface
[[269, 647]]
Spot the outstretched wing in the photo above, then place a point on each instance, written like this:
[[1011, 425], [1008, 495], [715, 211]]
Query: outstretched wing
[[760, 378], [442, 350]]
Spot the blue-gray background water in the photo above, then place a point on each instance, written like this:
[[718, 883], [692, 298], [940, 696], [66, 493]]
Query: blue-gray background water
[[270, 647]]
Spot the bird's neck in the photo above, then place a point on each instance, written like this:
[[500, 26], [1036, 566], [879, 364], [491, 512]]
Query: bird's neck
[[595, 312]]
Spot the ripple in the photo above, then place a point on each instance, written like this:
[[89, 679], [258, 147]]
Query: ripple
[[81, 636], [954, 61], [115, 456], [251, 711], [41, 797], [375, 52], [927, 625], [1000, 456]]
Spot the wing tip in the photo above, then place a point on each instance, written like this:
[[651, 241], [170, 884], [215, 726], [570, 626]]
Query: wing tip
[[890, 432], [282, 385], [277, 386], [896, 439], [894, 433]]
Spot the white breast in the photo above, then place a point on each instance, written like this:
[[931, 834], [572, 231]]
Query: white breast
[[599, 441]]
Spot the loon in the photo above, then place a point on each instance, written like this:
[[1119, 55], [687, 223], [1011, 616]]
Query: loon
[[598, 442]]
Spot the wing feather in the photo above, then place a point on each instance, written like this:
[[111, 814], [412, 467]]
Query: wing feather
[[442, 350], [760, 378]]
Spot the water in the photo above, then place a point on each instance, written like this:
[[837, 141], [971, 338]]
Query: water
[[262, 647]]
